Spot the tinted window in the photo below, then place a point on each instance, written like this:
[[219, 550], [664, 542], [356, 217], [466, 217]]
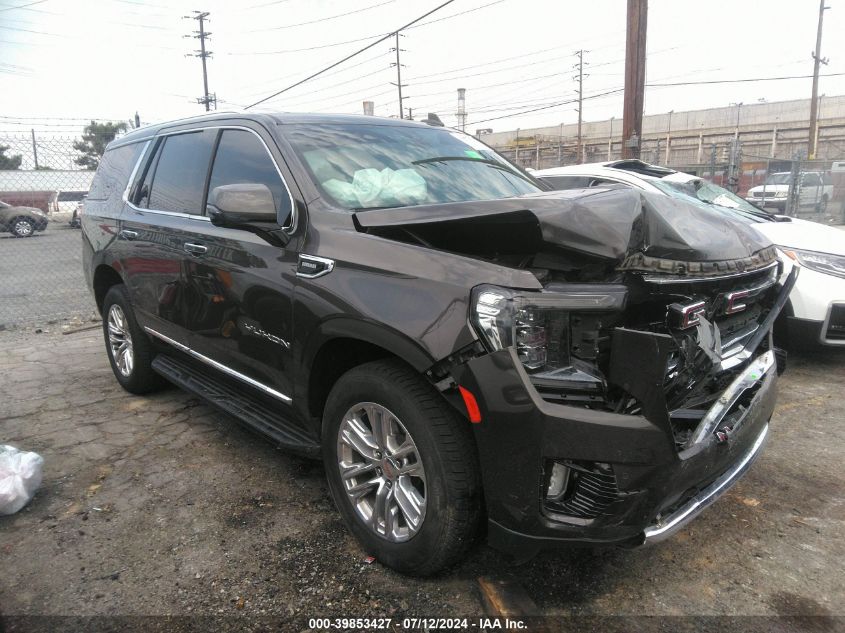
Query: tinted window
[[114, 171], [366, 166], [179, 179], [811, 180], [568, 182], [242, 158], [142, 194]]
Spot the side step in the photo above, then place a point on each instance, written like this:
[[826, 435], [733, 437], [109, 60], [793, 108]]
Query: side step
[[237, 402]]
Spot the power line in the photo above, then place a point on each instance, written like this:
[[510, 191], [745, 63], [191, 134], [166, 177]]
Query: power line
[[358, 52], [330, 17], [361, 39], [739, 81], [553, 105], [22, 6]]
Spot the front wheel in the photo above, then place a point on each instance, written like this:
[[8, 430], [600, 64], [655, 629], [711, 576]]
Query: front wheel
[[22, 227], [402, 468]]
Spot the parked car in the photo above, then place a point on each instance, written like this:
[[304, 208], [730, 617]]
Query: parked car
[[815, 312], [21, 221], [68, 201], [458, 344], [815, 189]]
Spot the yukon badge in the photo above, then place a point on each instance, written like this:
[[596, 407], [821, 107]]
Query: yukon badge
[[685, 316]]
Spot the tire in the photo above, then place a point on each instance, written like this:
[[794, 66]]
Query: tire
[[129, 349], [22, 227], [442, 469]]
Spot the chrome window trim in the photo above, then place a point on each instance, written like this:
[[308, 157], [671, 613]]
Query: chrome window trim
[[219, 366], [137, 166], [294, 215]]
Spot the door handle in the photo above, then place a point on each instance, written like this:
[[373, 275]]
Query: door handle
[[195, 249], [128, 235]]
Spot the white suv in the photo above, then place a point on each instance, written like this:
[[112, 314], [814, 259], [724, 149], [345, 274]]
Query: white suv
[[816, 310], [815, 189]]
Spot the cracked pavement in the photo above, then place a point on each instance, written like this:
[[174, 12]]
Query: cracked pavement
[[160, 505]]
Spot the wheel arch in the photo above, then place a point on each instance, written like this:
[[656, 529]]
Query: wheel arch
[[104, 278], [341, 344]]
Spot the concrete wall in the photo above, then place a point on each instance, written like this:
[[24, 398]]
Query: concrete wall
[[758, 122]]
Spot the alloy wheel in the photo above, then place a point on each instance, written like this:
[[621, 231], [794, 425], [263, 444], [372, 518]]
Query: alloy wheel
[[120, 340], [381, 471], [22, 228]]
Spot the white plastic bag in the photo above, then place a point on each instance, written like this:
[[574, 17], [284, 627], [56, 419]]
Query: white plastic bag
[[20, 476]]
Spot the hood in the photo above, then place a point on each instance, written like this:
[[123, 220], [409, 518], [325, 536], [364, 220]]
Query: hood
[[632, 230], [804, 235]]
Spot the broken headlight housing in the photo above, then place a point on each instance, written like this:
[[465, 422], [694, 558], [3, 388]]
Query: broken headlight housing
[[537, 324]]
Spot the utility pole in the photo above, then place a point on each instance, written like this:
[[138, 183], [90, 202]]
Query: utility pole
[[635, 48], [713, 163], [34, 149], [738, 110], [203, 54], [580, 65], [817, 59], [398, 83], [668, 137]]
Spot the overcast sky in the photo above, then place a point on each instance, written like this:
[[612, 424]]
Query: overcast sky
[[62, 60]]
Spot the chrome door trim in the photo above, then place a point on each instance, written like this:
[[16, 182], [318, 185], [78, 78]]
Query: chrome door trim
[[219, 366]]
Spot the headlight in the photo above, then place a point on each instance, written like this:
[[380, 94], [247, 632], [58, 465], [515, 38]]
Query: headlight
[[820, 262], [781, 194], [536, 324]]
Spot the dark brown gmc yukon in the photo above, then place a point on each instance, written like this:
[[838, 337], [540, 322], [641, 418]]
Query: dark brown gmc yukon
[[460, 346]]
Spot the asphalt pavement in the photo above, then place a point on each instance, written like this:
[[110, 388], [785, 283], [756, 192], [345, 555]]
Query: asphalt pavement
[[41, 278], [160, 505]]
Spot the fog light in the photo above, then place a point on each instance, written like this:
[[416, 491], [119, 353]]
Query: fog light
[[557, 481]]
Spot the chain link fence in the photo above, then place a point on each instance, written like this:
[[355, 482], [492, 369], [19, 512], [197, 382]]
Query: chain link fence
[[44, 178], [42, 186]]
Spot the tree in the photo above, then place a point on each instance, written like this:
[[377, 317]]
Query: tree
[[9, 162], [94, 140]]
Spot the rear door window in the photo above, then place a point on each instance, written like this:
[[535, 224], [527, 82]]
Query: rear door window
[[242, 159], [113, 173], [178, 181]]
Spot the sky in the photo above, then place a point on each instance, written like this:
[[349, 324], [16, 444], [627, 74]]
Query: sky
[[63, 62]]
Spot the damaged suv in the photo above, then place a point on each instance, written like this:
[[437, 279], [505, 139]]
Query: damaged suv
[[459, 346]]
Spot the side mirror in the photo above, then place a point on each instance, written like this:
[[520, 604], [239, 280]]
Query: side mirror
[[239, 204]]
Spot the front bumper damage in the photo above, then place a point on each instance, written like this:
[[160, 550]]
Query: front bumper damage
[[638, 485]]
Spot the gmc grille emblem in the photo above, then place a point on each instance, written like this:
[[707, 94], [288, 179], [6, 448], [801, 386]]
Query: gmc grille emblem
[[732, 301], [686, 316]]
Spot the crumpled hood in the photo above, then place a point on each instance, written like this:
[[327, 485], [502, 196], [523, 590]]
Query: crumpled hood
[[637, 230]]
